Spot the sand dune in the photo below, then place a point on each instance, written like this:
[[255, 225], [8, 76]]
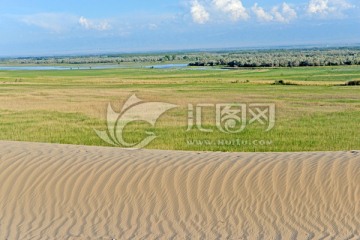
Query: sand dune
[[75, 192]]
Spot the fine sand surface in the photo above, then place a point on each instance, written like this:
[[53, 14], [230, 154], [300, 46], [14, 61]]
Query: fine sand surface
[[73, 192]]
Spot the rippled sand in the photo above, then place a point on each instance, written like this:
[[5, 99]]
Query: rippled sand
[[74, 192]]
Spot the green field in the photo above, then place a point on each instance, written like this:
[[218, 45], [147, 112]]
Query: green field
[[313, 113]]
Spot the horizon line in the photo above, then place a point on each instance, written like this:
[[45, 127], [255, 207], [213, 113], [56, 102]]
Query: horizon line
[[189, 50]]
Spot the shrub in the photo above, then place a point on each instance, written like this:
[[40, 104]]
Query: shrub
[[353, 83]]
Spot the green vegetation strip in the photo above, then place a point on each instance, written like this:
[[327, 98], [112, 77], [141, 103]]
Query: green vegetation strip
[[313, 114]]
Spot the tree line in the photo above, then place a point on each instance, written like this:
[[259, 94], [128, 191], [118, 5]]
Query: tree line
[[231, 59], [283, 58]]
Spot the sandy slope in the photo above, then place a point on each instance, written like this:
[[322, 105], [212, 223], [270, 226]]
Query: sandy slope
[[74, 192]]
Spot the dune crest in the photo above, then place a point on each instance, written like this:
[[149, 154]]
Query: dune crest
[[52, 191]]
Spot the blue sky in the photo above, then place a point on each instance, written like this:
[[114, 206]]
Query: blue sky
[[42, 27]]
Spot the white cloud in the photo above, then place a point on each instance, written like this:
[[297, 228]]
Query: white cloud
[[261, 14], [284, 13], [199, 13], [94, 25], [327, 7], [233, 7], [54, 22], [318, 6]]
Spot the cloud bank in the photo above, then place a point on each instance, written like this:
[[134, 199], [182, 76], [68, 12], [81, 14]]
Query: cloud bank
[[203, 11]]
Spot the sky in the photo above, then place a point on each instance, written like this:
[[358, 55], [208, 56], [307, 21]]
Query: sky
[[39, 27]]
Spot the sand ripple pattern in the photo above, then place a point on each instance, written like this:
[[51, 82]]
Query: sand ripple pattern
[[74, 192]]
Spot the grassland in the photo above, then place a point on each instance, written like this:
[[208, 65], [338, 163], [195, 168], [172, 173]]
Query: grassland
[[314, 113]]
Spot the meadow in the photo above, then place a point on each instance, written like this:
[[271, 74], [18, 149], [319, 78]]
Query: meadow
[[314, 110]]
